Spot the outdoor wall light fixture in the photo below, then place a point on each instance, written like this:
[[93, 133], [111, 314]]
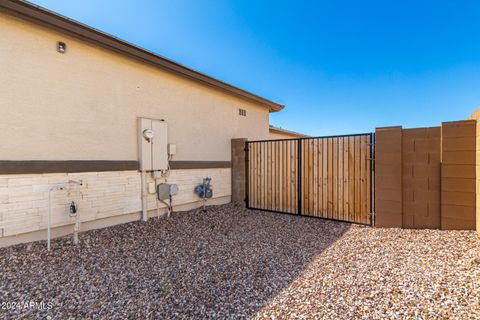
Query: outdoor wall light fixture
[[61, 47]]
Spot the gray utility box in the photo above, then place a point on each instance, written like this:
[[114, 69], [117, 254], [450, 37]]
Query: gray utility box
[[166, 190]]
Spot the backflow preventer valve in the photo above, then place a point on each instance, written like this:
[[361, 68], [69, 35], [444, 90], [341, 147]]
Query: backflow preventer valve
[[204, 190]]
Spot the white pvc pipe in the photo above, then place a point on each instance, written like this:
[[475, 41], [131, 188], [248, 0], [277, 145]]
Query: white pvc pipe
[[76, 228], [144, 196], [49, 218]]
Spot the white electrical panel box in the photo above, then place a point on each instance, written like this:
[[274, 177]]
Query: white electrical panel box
[[152, 144]]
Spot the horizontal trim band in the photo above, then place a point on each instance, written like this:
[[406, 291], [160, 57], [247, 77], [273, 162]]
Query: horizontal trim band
[[46, 166], [70, 166], [200, 164]]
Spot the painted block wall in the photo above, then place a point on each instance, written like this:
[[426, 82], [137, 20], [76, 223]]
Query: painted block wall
[[24, 199], [421, 178], [458, 175], [425, 177], [388, 177]]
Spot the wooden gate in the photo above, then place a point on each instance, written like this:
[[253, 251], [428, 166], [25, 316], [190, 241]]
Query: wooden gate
[[325, 177]]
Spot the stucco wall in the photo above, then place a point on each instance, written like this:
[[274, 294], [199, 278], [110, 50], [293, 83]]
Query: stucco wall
[[83, 104]]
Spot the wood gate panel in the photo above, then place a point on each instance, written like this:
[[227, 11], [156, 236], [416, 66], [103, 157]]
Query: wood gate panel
[[325, 177]]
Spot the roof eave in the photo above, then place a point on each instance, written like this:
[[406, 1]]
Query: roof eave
[[40, 15]]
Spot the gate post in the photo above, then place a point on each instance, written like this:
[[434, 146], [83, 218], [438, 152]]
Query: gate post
[[239, 174]]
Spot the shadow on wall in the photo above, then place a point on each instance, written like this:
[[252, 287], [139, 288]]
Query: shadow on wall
[[226, 262]]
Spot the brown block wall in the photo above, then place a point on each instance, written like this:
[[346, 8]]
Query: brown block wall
[[388, 177], [426, 177], [238, 170], [458, 187], [421, 178]]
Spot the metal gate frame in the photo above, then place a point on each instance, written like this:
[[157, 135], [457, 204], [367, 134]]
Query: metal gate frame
[[300, 176]]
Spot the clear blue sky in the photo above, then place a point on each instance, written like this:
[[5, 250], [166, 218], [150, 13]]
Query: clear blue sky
[[339, 66]]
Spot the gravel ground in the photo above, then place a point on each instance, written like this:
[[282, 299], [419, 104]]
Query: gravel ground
[[234, 263]]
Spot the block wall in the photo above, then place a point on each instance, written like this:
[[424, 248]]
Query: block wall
[[425, 177], [421, 178], [24, 199], [388, 177], [458, 175]]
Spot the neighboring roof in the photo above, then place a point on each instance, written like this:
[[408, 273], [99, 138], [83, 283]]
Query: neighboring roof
[[54, 20], [288, 132]]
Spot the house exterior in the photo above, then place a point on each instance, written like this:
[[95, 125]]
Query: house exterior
[[71, 97], [280, 133]]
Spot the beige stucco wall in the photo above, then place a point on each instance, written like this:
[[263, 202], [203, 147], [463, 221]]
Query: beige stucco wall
[[83, 104]]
